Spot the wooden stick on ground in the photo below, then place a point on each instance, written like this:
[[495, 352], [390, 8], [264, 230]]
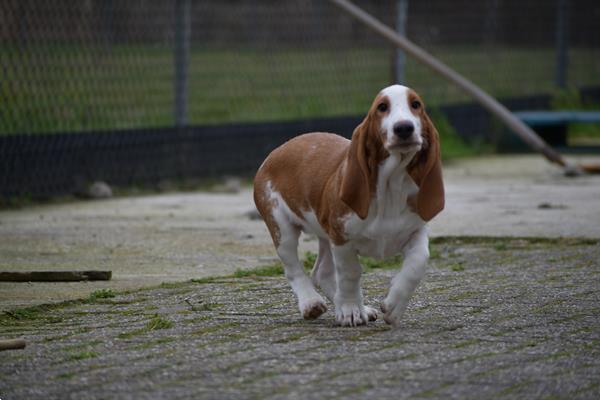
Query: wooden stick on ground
[[12, 344], [55, 276]]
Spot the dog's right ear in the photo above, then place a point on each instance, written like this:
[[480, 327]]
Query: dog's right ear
[[355, 191], [360, 171]]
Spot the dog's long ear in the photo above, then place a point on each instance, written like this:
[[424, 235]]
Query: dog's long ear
[[426, 171], [360, 170], [355, 191]]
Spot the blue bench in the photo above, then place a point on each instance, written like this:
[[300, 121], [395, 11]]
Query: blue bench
[[552, 125]]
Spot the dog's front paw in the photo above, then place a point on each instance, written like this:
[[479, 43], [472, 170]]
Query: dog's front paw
[[392, 312], [349, 314], [313, 308], [371, 313]]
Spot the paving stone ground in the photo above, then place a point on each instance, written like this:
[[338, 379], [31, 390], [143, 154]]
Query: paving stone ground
[[495, 318]]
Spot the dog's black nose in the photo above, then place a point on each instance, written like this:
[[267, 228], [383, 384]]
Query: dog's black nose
[[404, 129]]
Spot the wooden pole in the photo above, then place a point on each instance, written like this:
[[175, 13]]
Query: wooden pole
[[487, 101], [55, 276], [12, 344], [400, 59]]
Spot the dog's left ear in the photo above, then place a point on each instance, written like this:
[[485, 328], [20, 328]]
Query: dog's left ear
[[426, 171]]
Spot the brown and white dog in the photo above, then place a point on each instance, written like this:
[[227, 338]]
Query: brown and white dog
[[370, 196]]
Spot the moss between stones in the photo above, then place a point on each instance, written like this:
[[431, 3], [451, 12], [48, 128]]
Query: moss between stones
[[156, 322]]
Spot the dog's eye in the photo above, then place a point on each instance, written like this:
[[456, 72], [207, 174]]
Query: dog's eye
[[416, 104], [382, 107]]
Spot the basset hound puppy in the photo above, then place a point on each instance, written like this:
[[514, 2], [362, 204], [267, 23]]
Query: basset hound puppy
[[369, 196]]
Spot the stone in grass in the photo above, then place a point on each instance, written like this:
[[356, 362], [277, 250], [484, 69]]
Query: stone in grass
[[99, 190], [550, 206], [230, 185]]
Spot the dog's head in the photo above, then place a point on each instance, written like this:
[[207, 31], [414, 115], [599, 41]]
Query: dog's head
[[395, 124]]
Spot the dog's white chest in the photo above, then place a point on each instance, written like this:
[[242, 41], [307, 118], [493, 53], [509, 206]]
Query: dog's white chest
[[385, 237], [390, 223]]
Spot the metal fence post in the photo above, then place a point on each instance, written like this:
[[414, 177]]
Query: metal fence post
[[562, 42], [181, 59], [400, 57]]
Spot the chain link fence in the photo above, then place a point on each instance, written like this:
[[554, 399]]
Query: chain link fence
[[106, 68]]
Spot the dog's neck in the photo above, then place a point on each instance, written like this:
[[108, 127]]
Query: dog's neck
[[394, 185]]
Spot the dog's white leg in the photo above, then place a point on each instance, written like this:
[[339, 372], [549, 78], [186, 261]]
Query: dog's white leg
[[310, 302], [348, 299], [323, 276], [406, 281]]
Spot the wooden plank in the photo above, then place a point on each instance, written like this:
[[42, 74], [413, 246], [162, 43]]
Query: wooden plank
[[12, 344], [54, 276]]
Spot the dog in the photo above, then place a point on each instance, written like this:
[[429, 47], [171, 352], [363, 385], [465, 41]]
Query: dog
[[370, 196]]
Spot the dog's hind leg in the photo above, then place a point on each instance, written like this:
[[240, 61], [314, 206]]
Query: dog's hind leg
[[323, 272], [310, 302], [285, 234]]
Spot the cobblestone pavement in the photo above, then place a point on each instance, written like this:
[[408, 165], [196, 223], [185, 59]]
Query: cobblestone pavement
[[494, 318]]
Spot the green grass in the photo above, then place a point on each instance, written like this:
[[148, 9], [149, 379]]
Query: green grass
[[158, 322], [27, 313], [309, 260], [457, 267], [208, 279], [291, 338], [276, 269], [368, 263], [502, 243], [45, 312], [214, 328], [82, 355], [71, 88], [101, 294], [266, 270], [172, 285], [155, 323], [452, 144]]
